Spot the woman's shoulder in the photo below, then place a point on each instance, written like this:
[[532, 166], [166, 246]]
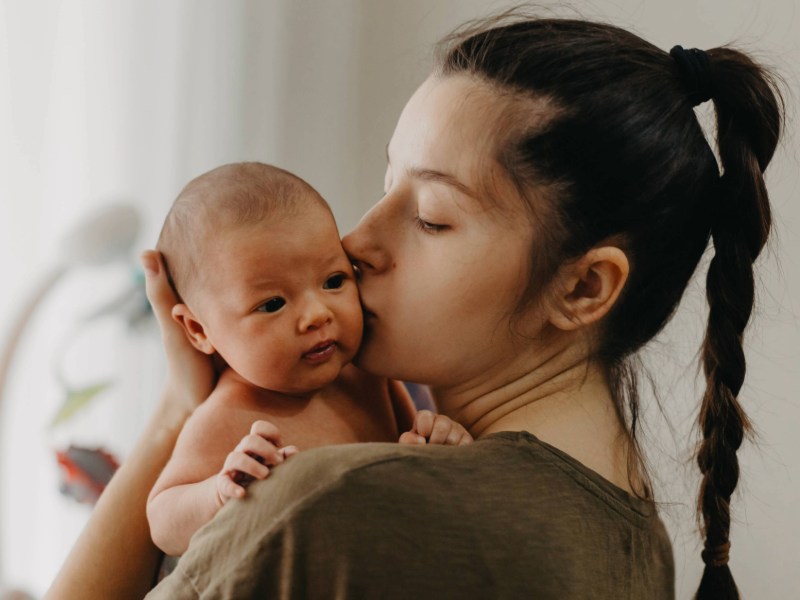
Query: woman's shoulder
[[499, 466], [438, 521]]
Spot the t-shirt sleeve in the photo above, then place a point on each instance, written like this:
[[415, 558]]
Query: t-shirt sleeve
[[315, 534]]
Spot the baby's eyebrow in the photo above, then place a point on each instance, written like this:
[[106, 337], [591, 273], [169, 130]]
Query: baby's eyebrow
[[261, 284]]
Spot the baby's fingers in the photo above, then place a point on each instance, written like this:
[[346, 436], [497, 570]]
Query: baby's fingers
[[257, 446], [442, 426], [412, 439], [268, 431], [239, 461], [227, 489], [423, 423]]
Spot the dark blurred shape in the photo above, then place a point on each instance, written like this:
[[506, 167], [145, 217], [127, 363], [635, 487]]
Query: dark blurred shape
[[85, 472]]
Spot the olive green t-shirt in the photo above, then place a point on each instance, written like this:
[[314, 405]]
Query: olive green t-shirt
[[505, 517]]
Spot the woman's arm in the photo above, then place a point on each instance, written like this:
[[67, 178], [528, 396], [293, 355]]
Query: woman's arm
[[114, 557]]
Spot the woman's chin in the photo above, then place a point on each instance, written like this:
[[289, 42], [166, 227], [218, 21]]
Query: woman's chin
[[373, 360]]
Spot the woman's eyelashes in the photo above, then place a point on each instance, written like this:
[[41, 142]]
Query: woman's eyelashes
[[272, 305], [428, 227]]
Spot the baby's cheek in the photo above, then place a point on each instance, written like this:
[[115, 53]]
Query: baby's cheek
[[271, 366], [353, 325]]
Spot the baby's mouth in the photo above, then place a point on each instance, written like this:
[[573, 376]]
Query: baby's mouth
[[321, 352]]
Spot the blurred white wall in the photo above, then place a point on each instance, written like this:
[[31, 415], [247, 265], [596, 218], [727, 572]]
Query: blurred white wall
[[100, 100]]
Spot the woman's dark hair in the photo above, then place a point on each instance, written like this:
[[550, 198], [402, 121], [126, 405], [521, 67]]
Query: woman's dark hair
[[620, 158]]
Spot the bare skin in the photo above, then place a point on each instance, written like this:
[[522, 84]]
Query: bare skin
[[279, 301], [239, 418], [435, 254], [439, 305]]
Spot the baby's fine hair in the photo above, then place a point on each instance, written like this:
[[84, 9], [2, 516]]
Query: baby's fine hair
[[228, 197]]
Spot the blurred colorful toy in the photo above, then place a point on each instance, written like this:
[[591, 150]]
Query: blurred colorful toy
[[85, 472]]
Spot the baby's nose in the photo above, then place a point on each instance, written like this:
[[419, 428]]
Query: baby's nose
[[315, 316]]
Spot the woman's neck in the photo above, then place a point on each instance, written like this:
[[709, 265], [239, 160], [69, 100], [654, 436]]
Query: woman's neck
[[560, 397]]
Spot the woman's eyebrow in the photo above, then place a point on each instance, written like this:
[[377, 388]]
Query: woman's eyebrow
[[438, 176]]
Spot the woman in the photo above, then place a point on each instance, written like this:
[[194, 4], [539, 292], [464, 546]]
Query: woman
[[548, 197]]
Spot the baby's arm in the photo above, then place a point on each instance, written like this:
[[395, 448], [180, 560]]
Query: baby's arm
[[201, 475]]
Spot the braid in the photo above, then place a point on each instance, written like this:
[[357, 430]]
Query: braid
[[748, 120]]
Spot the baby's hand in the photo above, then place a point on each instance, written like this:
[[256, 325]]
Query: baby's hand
[[435, 429], [251, 460]]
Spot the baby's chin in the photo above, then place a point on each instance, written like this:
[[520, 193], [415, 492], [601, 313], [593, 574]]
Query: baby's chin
[[303, 381]]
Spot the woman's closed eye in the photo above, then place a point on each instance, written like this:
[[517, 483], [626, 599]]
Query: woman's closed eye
[[272, 305], [428, 227], [334, 282]]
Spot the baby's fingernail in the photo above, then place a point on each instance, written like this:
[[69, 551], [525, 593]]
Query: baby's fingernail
[[149, 264], [290, 451], [420, 439], [239, 493]]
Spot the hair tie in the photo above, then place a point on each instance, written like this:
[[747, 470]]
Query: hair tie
[[695, 68], [716, 556]]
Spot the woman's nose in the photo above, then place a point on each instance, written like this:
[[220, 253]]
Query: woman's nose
[[365, 245], [315, 315]]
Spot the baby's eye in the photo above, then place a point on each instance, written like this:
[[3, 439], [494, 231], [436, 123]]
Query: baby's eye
[[272, 305], [334, 283]]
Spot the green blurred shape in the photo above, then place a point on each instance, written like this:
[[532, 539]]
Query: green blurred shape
[[77, 399]]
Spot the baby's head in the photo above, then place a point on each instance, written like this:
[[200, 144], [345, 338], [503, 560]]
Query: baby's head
[[254, 254]]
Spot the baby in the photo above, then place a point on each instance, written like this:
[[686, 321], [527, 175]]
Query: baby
[[254, 255]]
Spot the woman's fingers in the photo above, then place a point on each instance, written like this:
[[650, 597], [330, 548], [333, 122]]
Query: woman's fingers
[[191, 376], [159, 292]]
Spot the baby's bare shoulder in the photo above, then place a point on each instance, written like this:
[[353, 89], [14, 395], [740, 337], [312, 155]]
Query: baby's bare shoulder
[[219, 423]]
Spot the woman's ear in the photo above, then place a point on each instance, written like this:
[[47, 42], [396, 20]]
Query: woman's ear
[[194, 329], [589, 287]]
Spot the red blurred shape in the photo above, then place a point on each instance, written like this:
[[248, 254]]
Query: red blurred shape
[[85, 472]]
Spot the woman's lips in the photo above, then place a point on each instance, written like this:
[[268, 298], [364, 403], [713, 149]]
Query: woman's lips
[[321, 352]]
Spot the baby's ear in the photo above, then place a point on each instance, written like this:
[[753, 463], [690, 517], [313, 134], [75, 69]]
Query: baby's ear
[[194, 329]]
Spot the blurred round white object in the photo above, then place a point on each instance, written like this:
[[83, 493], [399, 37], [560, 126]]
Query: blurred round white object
[[102, 236]]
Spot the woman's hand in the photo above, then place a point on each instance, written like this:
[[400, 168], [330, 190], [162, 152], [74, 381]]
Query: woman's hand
[[430, 428], [251, 459], [190, 373]]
